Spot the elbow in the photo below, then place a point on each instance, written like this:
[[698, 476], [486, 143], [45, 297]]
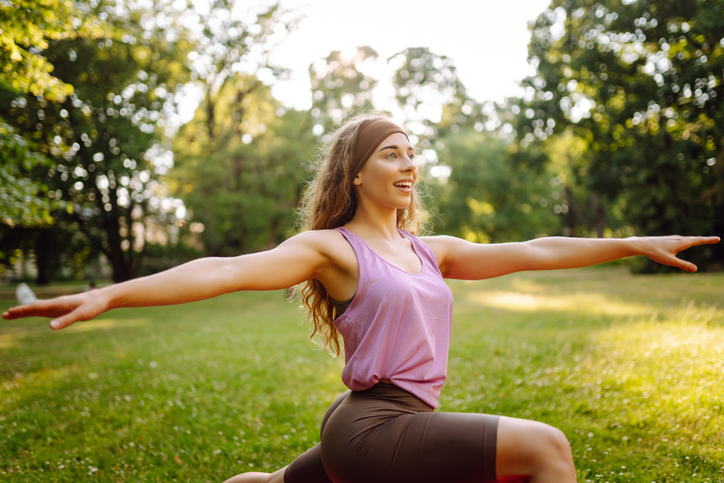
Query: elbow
[[534, 257]]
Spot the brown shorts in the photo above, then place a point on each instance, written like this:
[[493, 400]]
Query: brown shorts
[[385, 434]]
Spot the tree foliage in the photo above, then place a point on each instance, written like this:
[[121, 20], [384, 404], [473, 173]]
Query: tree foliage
[[27, 27], [485, 199], [433, 98], [240, 173], [640, 83], [240, 162], [20, 197], [341, 88], [101, 137]]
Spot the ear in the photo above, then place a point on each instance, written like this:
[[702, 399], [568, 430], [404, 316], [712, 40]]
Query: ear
[[357, 181]]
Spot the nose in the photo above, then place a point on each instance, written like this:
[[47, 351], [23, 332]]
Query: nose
[[408, 164]]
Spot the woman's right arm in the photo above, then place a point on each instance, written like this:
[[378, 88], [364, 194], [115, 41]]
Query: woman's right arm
[[299, 258]]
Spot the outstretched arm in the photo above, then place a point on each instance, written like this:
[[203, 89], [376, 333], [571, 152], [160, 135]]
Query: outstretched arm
[[471, 261], [296, 260]]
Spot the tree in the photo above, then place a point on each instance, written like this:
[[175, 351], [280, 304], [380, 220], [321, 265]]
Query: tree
[[485, 199], [340, 88], [19, 198], [479, 194], [430, 93], [243, 181], [225, 157], [641, 84], [102, 136], [26, 28]]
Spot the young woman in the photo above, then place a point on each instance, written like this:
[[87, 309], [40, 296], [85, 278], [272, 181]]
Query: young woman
[[368, 278]]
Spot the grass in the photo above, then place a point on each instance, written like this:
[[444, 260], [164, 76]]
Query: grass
[[631, 368]]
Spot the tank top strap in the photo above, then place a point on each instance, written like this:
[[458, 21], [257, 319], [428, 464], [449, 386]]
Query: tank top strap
[[427, 256], [357, 243], [361, 251]]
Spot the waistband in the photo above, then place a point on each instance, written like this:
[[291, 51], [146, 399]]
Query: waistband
[[389, 393]]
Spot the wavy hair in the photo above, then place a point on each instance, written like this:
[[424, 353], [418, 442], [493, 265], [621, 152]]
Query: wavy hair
[[330, 202]]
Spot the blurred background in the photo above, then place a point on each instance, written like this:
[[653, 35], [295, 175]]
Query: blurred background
[[139, 134]]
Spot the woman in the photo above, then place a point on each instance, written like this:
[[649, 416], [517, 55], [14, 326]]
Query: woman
[[369, 278]]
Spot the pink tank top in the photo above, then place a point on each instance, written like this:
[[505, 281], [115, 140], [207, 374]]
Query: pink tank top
[[398, 325]]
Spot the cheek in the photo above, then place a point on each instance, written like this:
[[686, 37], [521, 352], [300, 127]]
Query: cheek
[[381, 172]]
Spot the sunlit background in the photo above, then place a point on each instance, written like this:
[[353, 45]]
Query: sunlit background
[[136, 135], [488, 41], [139, 134]]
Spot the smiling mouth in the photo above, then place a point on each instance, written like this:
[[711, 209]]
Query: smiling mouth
[[404, 184]]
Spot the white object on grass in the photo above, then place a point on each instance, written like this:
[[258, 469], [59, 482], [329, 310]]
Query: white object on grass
[[25, 295]]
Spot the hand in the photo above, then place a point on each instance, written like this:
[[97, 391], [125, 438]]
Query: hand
[[664, 249], [64, 310]]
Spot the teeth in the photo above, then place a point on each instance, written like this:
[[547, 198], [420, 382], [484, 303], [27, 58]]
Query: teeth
[[406, 184]]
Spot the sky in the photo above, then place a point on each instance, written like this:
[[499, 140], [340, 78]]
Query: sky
[[487, 39]]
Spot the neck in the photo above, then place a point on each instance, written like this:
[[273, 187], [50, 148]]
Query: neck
[[375, 222]]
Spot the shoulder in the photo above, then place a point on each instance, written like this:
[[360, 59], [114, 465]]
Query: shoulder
[[320, 240], [442, 246], [329, 244]]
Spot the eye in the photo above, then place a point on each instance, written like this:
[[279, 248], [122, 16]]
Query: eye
[[392, 155]]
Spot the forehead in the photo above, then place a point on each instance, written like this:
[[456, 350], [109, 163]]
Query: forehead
[[397, 139]]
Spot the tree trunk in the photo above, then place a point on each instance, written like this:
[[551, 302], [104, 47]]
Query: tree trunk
[[576, 208], [43, 255], [120, 262], [600, 213], [273, 232]]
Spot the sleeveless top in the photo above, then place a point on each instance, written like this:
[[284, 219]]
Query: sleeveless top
[[398, 325]]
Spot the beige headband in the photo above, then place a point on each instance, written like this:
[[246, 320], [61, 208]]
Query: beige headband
[[369, 136]]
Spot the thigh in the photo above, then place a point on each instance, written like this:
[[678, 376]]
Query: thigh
[[307, 467], [417, 448]]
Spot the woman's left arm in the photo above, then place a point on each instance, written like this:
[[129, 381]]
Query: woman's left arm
[[472, 261]]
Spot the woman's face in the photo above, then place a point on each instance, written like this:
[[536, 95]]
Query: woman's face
[[389, 174]]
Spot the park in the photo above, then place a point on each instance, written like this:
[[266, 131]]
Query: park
[[138, 136], [630, 367]]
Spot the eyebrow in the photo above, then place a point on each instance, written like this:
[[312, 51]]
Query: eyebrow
[[409, 148]]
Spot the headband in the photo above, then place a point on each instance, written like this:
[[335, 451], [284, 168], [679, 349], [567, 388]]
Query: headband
[[369, 136]]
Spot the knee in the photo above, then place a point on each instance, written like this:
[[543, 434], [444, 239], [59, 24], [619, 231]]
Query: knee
[[554, 447], [559, 442], [533, 448]]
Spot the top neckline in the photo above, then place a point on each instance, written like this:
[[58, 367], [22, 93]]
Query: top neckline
[[404, 234]]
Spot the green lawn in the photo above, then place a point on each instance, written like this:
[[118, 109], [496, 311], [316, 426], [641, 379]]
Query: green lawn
[[631, 368]]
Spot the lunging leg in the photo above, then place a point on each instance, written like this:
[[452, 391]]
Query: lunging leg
[[535, 449]]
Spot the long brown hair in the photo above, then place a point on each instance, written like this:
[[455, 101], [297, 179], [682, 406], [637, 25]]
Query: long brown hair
[[329, 202]]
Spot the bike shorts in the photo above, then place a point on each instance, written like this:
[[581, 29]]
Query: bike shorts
[[387, 435]]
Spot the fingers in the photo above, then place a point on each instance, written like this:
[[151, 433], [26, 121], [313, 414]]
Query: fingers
[[684, 265], [694, 241], [41, 308], [673, 261], [667, 251], [710, 240], [65, 321], [82, 313], [28, 310], [64, 310]]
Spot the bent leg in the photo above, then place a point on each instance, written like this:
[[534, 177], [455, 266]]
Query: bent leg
[[276, 477], [306, 468], [533, 448], [386, 435]]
